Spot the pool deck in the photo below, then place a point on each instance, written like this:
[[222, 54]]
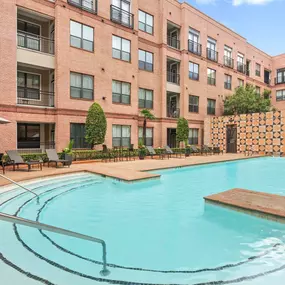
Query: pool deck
[[264, 205], [128, 171]]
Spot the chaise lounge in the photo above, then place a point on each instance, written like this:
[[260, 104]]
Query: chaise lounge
[[16, 160], [170, 152], [152, 152], [53, 158]]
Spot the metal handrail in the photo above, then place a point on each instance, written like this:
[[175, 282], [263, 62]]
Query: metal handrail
[[45, 227], [21, 186]]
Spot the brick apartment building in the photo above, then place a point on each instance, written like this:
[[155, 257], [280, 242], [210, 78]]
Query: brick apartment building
[[57, 57]]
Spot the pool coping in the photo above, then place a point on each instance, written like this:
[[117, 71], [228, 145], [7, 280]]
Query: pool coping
[[143, 173]]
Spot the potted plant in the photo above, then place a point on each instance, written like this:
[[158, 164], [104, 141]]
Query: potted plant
[[187, 150], [141, 150], [67, 152]]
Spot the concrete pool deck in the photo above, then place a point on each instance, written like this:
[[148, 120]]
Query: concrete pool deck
[[264, 205], [128, 171]]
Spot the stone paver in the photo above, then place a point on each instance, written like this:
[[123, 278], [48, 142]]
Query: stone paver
[[126, 170], [257, 203]]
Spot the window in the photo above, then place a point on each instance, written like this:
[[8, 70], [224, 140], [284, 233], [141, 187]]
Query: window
[[121, 92], [280, 76], [257, 89], [211, 76], [193, 104], [211, 107], [228, 61], [28, 35], [145, 98], [193, 71], [28, 135], [121, 136], [28, 85], [121, 13], [267, 74], [145, 22], [211, 49], [81, 86], [145, 60], [240, 63], [257, 69], [87, 5], [240, 82], [280, 95], [81, 36], [193, 136], [148, 137], [77, 134], [121, 48], [228, 82], [194, 42]]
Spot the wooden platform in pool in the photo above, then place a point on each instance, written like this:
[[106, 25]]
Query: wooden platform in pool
[[260, 204]]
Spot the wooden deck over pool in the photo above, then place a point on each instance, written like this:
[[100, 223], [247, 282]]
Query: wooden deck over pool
[[260, 204]]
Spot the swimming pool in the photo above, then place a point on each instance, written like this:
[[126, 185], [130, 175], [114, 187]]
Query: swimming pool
[[157, 231]]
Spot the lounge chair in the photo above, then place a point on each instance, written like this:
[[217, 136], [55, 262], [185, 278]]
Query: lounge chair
[[16, 159], [2, 163], [195, 150], [152, 152], [53, 157], [106, 153], [217, 150], [207, 150], [170, 152]]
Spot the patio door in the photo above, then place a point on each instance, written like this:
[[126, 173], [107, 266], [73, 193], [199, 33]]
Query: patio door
[[171, 138], [231, 139]]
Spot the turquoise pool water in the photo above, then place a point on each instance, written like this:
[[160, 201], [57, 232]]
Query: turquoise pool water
[[157, 231]]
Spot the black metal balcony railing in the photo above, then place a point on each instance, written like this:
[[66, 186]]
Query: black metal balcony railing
[[173, 112], [267, 81], [228, 62], [87, 5], [228, 85], [173, 77], [35, 42], [35, 97], [173, 42], [211, 110], [257, 72], [212, 55], [280, 79], [193, 75], [122, 17], [31, 145], [194, 47], [241, 67], [211, 81]]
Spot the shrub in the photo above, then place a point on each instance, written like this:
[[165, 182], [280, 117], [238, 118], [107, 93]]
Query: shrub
[[96, 125], [182, 131]]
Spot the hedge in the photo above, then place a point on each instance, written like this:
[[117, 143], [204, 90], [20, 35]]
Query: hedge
[[85, 154]]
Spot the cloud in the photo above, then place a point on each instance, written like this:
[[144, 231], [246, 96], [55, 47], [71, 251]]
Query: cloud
[[250, 2], [236, 2]]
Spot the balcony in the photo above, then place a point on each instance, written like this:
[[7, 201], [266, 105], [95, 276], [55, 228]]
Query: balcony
[[228, 85], [280, 79], [228, 62], [35, 42], [122, 17], [173, 77], [86, 5], [241, 67], [194, 47], [173, 113], [212, 55], [173, 42], [35, 97]]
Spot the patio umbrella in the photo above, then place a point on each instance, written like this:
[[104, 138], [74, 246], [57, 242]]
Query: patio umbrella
[[4, 121]]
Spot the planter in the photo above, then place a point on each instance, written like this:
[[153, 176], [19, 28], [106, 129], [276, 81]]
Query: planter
[[187, 152], [68, 157], [141, 157]]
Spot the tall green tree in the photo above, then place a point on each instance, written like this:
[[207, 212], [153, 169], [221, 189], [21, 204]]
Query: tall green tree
[[182, 131], [96, 125], [245, 100], [147, 115]]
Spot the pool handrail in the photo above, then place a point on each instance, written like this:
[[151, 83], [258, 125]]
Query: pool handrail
[[21, 186], [33, 224]]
